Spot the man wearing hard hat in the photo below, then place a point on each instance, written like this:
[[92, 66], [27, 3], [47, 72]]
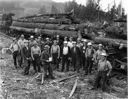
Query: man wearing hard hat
[[89, 56], [98, 52], [104, 69], [21, 46]]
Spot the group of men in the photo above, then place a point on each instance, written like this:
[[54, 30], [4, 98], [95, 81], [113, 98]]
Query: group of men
[[77, 54]]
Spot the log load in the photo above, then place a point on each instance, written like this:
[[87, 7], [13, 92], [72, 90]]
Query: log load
[[42, 15], [45, 26], [46, 20], [47, 32], [110, 41]]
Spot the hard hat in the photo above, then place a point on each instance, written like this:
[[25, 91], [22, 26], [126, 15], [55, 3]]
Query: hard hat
[[47, 38], [104, 54], [89, 43], [39, 37], [100, 45], [46, 46], [65, 42], [22, 35], [31, 36]]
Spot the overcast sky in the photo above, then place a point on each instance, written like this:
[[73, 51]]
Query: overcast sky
[[103, 3]]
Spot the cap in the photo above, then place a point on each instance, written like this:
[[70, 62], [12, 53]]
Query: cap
[[89, 43], [22, 35], [14, 39], [100, 45], [104, 54], [35, 43], [46, 46], [39, 37], [57, 36], [65, 42]]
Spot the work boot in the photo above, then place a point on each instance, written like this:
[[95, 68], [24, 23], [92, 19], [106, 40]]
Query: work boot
[[51, 77]]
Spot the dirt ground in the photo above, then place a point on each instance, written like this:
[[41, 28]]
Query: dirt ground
[[14, 85]]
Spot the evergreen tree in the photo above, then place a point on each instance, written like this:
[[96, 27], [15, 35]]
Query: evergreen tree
[[54, 10], [42, 10]]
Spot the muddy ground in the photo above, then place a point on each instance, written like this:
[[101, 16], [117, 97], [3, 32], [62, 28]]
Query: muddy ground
[[14, 85]]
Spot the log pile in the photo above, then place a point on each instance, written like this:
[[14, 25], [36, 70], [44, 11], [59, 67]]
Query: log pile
[[110, 41], [49, 24]]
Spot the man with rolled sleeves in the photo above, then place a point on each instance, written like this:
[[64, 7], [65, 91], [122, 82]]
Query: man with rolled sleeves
[[15, 51], [89, 56], [104, 70], [98, 53], [21, 46]]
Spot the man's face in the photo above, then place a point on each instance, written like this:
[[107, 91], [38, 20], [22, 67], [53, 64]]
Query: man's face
[[100, 47], [65, 44], [26, 43], [89, 46], [15, 41], [70, 39], [74, 44], [65, 38], [55, 42], [103, 57]]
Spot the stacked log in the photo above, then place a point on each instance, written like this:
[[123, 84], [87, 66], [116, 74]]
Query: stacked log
[[110, 41], [46, 20], [45, 26], [47, 31]]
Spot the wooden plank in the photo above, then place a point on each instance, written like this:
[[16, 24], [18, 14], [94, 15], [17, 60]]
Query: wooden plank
[[74, 88]]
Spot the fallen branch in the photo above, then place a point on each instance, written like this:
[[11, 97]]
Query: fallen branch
[[42, 80], [73, 89], [62, 79]]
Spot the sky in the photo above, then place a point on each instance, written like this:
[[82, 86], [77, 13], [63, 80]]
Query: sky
[[103, 3]]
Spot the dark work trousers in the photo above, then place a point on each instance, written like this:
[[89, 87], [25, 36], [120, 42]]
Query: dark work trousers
[[36, 63], [15, 54], [55, 60], [22, 58], [84, 62], [101, 77], [65, 62], [48, 69], [76, 63], [27, 66], [89, 65]]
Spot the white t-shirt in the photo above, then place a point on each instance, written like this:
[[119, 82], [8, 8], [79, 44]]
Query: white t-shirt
[[65, 50], [70, 44], [21, 43], [35, 50], [14, 47]]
